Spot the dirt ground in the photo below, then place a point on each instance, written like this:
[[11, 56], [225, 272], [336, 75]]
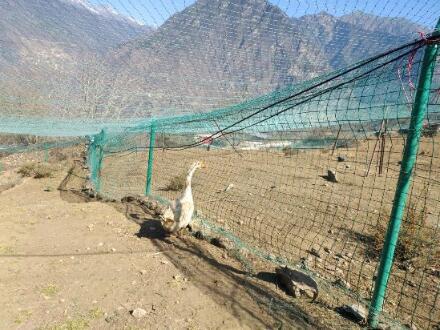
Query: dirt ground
[[284, 206], [70, 263]]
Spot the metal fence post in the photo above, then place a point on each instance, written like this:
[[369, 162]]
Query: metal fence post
[[150, 159], [408, 161]]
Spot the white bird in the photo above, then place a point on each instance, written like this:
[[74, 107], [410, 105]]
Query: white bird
[[179, 214]]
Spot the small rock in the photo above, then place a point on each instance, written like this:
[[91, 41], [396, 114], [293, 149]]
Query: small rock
[[315, 253], [354, 312], [407, 266], [341, 159], [342, 283], [180, 278], [138, 313], [243, 252], [347, 166], [100, 244], [143, 271], [434, 271], [164, 262], [229, 187], [113, 249], [223, 243], [296, 282], [412, 326], [411, 283], [326, 249], [331, 176], [241, 222], [91, 227], [199, 235]]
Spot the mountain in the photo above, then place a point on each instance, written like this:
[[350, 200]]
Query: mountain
[[39, 32], [218, 52], [51, 55], [89, 59], [350, 38]]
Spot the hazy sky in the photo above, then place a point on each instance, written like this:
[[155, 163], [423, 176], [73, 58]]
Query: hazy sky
[[155, 12]]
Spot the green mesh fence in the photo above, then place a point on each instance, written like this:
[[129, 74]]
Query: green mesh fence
[[306, 175], [269, 183]]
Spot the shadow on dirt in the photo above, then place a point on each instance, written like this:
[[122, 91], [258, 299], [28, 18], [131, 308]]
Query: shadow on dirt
[[251, 299], [72, 188]]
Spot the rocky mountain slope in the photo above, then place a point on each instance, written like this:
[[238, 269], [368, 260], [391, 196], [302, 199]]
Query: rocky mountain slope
[[48, 32], [216, 52], [211, 54]]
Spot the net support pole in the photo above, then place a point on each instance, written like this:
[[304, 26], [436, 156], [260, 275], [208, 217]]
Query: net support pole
[[150, 159], [403, 184], [46, 152], [96, 154]]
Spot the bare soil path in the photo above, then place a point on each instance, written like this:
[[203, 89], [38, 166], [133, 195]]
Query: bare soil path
[[70, 264]]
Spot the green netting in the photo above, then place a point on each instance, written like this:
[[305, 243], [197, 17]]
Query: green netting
[[31, 147], [248, 85], [268, 188]]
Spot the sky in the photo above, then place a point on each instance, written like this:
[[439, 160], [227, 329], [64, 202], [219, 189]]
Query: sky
[[155, 12]]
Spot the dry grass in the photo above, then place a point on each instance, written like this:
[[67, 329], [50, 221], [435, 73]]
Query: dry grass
[[35, 170], [289, 151], [415, 238], [177, 183], [58, 155]]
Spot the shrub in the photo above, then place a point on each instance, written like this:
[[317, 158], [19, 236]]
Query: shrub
[[176, 183], [58, 155], [413, 236], [288, 151], [38, 171], [27, 170]]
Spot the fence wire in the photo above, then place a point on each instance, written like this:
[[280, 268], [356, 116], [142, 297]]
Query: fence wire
[[269, 178]]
